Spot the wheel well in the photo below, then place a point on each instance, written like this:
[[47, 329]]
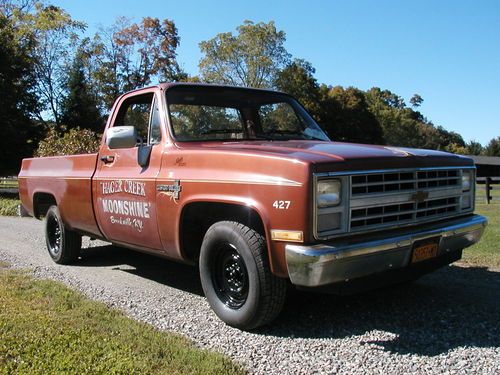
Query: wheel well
[[198, 217], [42, 203]]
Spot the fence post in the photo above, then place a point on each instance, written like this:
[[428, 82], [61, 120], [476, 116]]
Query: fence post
[[488, 189]]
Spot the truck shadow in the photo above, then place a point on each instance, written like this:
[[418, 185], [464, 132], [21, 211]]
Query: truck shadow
[[453, 307], [175, 275], [450, 308]]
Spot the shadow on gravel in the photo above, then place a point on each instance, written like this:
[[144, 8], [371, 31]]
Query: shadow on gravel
[[175, 275], [450, 308]]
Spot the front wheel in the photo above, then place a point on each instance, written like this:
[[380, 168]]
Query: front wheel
[[236, 277], [63, 244]]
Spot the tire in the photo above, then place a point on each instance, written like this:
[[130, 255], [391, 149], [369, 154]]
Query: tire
[[236, 277], [63, 244]]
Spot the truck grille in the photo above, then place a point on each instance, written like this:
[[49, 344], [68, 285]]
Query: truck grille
[[387, 199], [403, 197], [391, 182], [402, 213]]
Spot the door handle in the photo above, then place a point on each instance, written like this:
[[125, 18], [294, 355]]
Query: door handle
[[108, 159]]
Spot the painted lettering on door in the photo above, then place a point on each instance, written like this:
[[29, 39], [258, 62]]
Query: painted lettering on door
[[126, 212]]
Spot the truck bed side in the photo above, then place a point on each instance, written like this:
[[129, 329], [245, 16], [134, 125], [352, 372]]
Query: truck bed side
[[62, 180]]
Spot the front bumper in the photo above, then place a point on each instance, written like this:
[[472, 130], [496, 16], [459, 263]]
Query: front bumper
[[324, 264]]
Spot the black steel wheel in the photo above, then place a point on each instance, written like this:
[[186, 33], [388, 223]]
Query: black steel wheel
[[230, 276], [54, 234], [236, 276], [63, 244]]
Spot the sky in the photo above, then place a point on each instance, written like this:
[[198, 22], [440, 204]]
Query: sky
[[446, 51]]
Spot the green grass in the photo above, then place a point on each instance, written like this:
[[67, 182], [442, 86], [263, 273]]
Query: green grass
[[46, 328], [8, 206], [487, 251]]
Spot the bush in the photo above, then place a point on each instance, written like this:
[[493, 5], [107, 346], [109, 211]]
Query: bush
[[8, 206], [75, 141]]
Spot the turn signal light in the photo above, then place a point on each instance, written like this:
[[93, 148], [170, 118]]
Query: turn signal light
[[287, 235]]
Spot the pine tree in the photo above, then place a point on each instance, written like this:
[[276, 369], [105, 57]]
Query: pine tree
[[80, 106]]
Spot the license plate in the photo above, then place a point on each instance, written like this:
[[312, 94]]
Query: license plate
[[424, 251]]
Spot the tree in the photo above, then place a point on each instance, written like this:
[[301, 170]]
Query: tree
[[297, 79], [474, 148], [18, 101], [416, 100], [345, 116], [399, 124], [456, 149], [450, 137], [79, 108], [493, 148], [52, 33], [252, 58], [129, 55], [145, 50]]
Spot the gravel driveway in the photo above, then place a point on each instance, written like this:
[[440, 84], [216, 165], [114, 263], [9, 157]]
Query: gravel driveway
[[445, 323]]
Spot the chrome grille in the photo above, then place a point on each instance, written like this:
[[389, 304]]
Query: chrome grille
[[402, 213], [387, 199], [391, 198], [393, 182]]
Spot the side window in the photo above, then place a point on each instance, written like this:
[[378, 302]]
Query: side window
[[141, 112], [155, 125]]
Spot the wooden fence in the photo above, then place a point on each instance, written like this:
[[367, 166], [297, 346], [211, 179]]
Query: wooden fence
[[488, 188], [9, 185]]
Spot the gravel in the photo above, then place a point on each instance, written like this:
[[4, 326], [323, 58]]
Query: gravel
[[445, 323]]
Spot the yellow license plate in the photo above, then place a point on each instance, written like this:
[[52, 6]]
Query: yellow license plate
[[424, 252]]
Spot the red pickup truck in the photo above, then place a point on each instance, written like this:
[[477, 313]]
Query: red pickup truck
[[245, 184]]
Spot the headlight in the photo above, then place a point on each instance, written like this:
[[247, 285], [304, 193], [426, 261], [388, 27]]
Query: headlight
[[328, 193], [466, 180]]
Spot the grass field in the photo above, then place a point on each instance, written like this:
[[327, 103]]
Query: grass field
[[487, 251], [46, 328]]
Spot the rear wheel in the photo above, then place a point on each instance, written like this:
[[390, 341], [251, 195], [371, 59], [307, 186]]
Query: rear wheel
[[63, 244], [236, 277]]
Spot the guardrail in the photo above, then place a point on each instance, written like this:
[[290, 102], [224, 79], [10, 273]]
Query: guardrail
[[488, 185], [9, 185]]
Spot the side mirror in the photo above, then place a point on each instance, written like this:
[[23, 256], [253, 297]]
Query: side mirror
[[121, 137]]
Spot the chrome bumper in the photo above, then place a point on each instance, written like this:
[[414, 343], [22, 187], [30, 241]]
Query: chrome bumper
[[323, 264]]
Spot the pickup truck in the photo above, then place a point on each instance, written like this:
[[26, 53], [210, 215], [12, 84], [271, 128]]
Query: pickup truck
[[243, 183]]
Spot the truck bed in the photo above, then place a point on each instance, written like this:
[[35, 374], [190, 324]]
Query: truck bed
[[63, 179]]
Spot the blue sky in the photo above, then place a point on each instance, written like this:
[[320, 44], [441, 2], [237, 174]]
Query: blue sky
[[446, 51]]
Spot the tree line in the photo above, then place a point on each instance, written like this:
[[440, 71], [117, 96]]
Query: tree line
[[57, 85]]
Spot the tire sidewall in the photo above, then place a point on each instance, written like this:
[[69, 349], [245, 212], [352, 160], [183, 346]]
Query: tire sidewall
[[54, 212], [224, 232]]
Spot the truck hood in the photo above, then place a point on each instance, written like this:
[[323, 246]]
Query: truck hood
[[367, 156]]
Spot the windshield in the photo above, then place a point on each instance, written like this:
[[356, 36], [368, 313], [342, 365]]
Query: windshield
[[201, 113]]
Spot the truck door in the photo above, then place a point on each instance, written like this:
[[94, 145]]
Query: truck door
[[125, 191]]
